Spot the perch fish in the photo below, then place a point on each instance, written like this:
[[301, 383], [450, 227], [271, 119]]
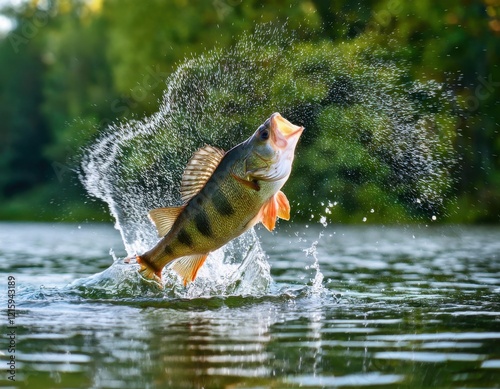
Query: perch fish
[[224, 195]]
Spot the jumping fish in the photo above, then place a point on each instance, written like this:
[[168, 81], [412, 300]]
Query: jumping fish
[[224, 195]]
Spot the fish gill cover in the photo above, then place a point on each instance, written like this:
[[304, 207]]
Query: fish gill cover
[[378, 140]]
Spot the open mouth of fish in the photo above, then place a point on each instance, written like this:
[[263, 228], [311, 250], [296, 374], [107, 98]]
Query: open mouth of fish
[[281, 126]]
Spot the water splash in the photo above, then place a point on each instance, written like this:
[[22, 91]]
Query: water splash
[[240, 268], [220, 97], [317, 288]]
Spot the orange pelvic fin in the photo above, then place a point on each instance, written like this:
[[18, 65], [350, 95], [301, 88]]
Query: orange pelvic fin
[[187, 267], [283, 206], [147, 271], [276, 206]]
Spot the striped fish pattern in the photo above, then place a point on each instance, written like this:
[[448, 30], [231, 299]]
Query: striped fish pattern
[[224, 195]]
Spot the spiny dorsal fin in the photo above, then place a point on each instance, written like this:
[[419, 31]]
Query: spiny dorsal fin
[[164, 218], [187, 267], [198, 170], [276, 206]]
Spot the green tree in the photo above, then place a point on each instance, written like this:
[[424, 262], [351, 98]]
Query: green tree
[[457, 43], [71, 67], [25, 131]]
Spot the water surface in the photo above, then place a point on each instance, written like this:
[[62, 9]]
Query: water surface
[[367, 306]]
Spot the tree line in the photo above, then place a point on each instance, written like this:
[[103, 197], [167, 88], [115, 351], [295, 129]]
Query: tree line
[[70, 68]]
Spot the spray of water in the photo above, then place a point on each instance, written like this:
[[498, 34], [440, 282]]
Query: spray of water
[[220, 97], [317, 287]]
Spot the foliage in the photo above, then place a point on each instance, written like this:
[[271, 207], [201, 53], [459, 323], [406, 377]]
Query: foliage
[[69, 68]]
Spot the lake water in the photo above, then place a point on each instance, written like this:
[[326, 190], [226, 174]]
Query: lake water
[[391, 307]]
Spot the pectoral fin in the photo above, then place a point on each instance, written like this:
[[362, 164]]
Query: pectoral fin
[[250, 184], [187, 267], [276, 206]]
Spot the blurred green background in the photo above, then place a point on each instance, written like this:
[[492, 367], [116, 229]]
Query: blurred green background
[[69, 68]]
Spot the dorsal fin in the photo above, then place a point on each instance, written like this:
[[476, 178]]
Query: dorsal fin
[[164, 218], [199, 169]]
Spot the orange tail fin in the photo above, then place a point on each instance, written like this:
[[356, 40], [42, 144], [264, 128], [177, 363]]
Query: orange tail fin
[[148, 271]]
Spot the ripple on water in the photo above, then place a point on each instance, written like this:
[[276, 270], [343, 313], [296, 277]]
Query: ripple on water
[[432, 357], [390, 326], [491, 364], [368, 379]]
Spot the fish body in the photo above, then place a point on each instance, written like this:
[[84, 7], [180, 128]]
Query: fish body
[[225, 194]]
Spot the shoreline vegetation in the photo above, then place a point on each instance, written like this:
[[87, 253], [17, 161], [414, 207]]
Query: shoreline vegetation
[[69, 69]]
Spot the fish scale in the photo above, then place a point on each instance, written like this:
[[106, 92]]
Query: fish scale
[[227, 208]]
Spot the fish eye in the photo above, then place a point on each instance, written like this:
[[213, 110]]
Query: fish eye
[[264, 133]]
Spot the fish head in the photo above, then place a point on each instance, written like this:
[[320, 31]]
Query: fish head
[[272, 149]]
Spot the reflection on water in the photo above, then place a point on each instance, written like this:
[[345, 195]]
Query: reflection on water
[[398, 307]]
